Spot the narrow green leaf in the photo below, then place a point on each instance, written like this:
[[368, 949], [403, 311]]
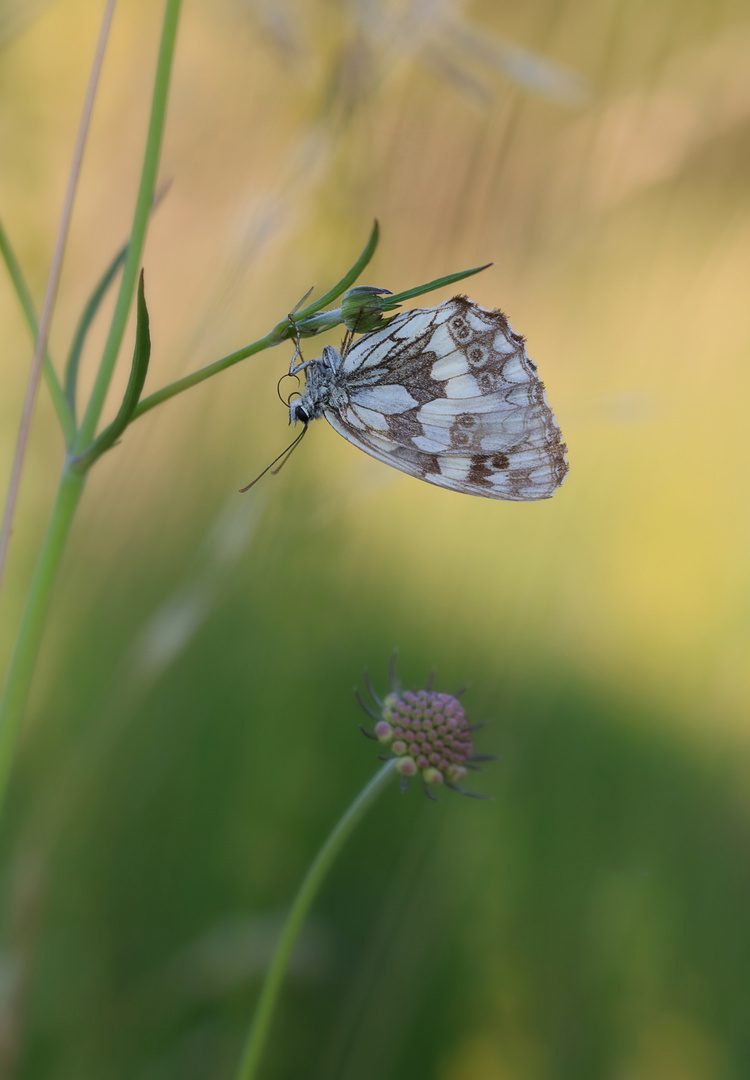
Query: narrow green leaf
[[138, 230], [138, 372], [348, 279], [84, 324], [388, 302], [17, 280], [64, 414]]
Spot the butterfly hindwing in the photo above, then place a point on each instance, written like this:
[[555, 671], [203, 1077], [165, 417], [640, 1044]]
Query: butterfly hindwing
[[449, 395]]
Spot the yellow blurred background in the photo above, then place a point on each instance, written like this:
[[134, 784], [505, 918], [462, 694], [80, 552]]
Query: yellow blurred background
[[596, 152]]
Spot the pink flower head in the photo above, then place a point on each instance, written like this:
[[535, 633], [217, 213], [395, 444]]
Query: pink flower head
[[426, 732]]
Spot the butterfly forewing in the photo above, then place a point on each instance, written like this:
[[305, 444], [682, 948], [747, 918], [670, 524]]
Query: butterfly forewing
[[449, 395]]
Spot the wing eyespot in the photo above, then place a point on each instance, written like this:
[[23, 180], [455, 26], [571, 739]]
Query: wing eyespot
[[460, 328]]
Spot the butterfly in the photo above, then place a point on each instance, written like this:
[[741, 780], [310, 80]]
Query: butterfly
[[446, 394]]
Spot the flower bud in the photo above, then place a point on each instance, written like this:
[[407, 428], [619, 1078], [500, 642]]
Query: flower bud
[[432, 776], [362, 309], [427, 733], [384, 731]]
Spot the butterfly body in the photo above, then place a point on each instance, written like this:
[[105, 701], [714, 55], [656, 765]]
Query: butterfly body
[[446, 394]]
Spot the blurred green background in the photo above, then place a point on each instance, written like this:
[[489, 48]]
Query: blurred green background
[[193, 735]]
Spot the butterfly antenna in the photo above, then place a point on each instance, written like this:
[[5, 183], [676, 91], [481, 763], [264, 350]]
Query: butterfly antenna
[[288, 451], [287, 375], [285, 454]]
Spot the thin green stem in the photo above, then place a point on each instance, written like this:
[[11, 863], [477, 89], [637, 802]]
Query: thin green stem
[[21, 670], [284, 330], [17, 280], [301, 905], [23, 661], [177, 387], [50, 294], [84, 325], [64, 414], [138, 230]]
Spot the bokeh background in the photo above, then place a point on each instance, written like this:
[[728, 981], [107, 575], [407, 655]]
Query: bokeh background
[[193, 734]]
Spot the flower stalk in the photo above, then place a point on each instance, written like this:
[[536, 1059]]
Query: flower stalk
[[307, 892]]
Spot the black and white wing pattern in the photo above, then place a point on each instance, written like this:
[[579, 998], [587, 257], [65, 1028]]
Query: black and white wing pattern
[[446, 394]]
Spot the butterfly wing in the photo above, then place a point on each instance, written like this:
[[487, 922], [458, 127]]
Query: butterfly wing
[[449, 395]]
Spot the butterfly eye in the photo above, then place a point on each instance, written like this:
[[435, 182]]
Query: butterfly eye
[[486, 382], [467, 420], [476, 355]]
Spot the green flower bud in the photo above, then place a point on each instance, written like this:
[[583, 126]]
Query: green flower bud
[[384, 731], [362, 308], [432, 776]]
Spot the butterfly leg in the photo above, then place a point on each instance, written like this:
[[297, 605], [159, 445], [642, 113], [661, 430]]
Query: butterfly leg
[[297, 350]]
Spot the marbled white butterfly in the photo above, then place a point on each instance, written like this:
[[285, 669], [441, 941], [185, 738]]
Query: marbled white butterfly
[[446, 394]]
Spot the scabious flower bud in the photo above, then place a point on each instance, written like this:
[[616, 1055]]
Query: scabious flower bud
[[384, 731], [427, 733], [407, 766], [440, 742], [362, 308]]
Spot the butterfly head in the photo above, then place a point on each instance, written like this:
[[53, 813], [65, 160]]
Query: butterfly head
[[299, 411], [321, 387]]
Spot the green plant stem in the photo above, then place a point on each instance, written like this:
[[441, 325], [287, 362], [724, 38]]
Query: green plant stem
[[177, 387], [88, 315], [64, 413], [283, 331], [301, 905], [23, 661], [138, 230]]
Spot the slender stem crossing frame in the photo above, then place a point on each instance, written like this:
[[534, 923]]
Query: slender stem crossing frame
[[42, 333], [307, 892], [28, 641]]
